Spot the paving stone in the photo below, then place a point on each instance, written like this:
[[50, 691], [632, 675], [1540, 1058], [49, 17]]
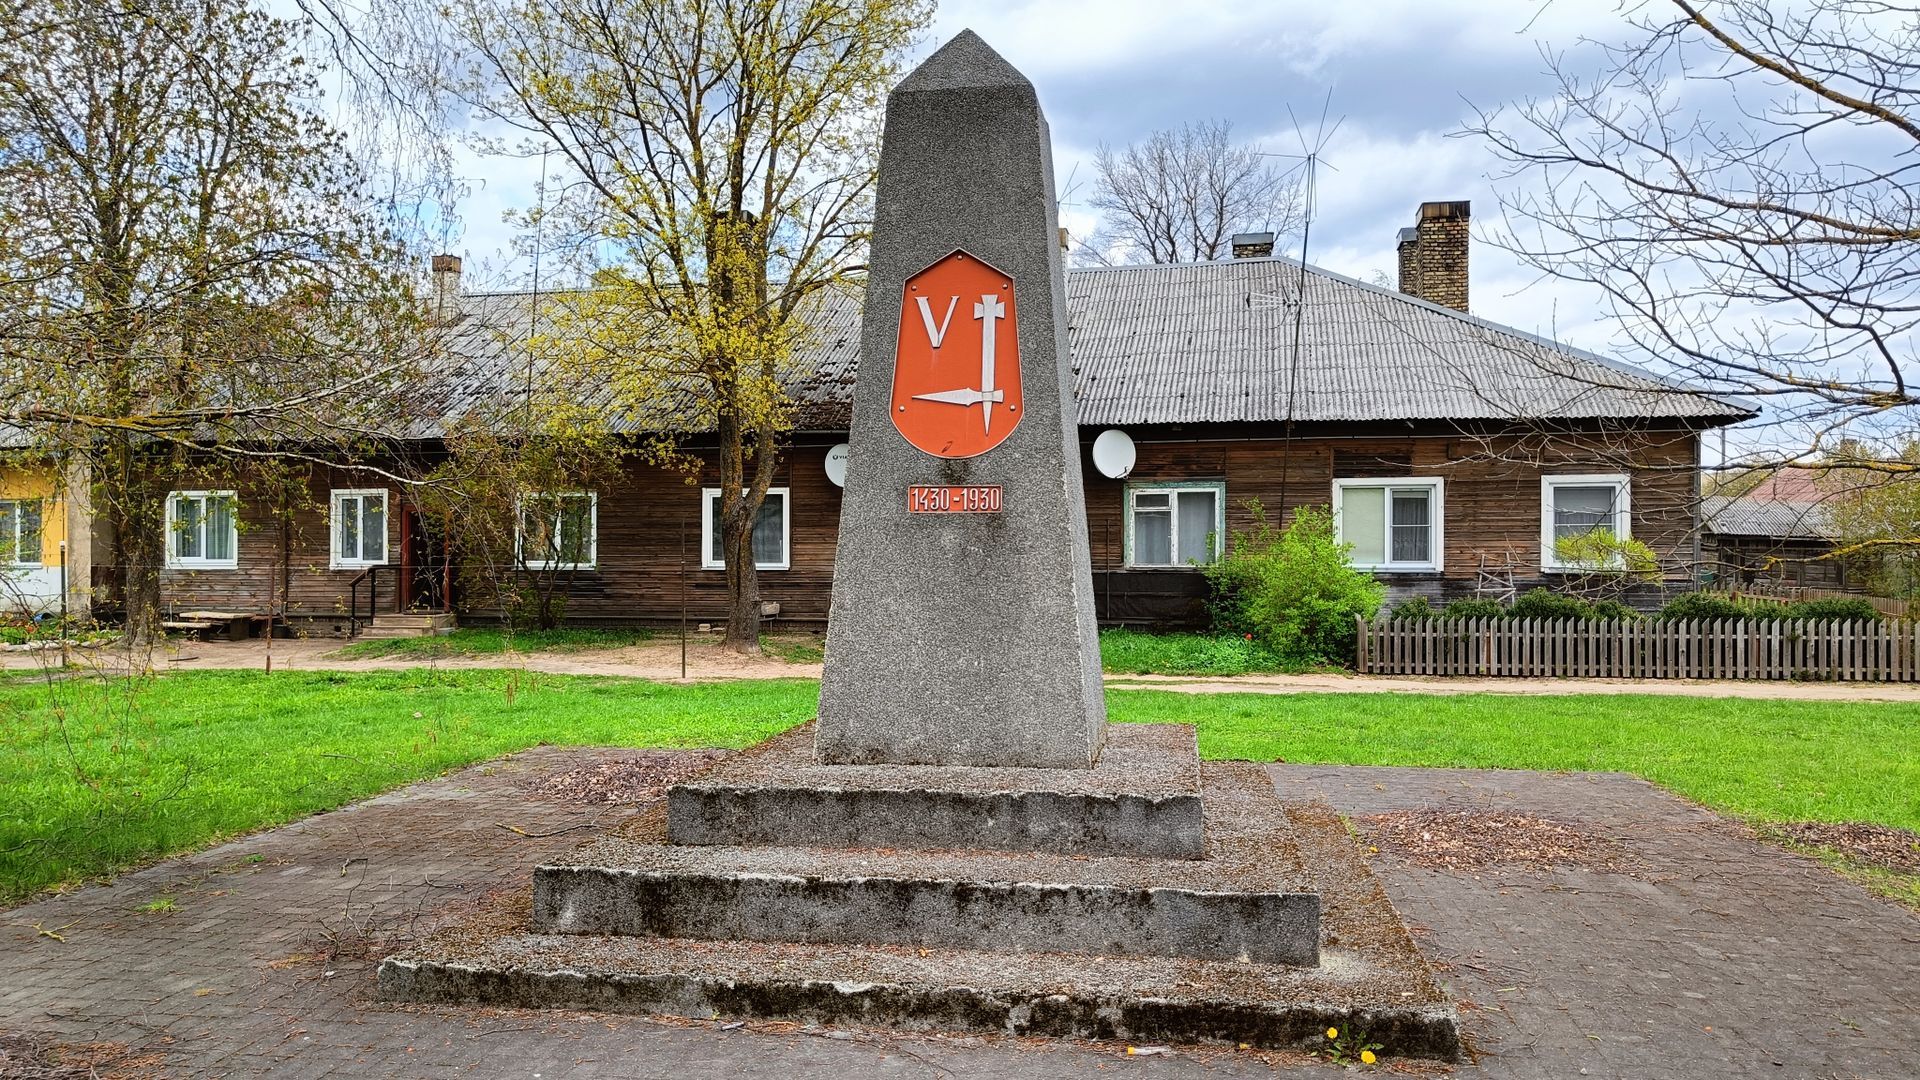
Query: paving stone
[[1790, 964]]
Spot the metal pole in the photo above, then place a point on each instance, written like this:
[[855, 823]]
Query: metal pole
[[682, 600], [64, 628]]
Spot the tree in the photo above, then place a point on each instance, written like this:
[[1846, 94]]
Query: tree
[[718, 160], [519, 477], [1741, 182], [1181, 195], [187, 264]]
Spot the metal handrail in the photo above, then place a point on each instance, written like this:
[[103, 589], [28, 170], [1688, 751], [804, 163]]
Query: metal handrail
[[371, 575]]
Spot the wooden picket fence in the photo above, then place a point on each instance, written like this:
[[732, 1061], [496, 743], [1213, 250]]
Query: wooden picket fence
[[1881, 650]]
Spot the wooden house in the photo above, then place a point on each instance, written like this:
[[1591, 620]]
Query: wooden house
[[1452, 451]]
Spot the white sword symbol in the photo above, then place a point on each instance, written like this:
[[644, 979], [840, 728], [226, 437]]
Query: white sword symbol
[[987, 310]]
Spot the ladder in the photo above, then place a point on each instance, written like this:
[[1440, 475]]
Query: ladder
[[1495, 579]]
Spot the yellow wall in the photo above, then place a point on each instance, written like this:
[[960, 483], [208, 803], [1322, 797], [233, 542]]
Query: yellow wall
[[39, 482]]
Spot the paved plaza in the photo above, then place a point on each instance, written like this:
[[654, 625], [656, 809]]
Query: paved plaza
[[1707, 953]]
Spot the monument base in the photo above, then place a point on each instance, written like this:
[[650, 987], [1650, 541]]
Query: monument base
[[1247, 899], [1141, 799], [1275, 933]]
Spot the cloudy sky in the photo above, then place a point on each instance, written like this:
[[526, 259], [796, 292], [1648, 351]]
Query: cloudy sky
[[1403, 77]]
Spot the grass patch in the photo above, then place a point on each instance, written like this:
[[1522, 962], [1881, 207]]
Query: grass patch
[[1132, 652], [493, 641], [1765, 760], [795, 650], [99, 775]]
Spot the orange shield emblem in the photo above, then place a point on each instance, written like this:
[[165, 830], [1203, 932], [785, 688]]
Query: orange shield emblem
[[956, 372]]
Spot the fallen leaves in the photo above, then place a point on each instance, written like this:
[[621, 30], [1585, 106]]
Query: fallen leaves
[[1876, 845], [1467, 840]]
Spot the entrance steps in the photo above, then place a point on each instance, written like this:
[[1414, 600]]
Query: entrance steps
[[410, 624]]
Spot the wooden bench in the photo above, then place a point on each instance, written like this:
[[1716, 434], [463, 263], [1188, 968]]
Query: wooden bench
[[233, 625]]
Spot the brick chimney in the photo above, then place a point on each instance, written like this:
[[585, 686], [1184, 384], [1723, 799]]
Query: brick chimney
[[446, 288], [1433, 254], [1252, 245]]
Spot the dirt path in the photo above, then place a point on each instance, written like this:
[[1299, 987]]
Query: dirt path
[[707, 661]]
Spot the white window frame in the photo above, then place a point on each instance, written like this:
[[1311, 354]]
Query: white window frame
[[11, 547], [1436, 503], [1622, 515], [709, 504], [333, 521], [175, 562], [1172, 488], [592, 553]]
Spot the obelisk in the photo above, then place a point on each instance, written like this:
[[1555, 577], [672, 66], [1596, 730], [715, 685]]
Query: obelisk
[[962, 629]]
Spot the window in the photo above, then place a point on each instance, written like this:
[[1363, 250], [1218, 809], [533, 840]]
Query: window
[[359, 528], [1174, 524], [1393, 524], [20, 532], [1573, 506], [770, 531], [201, 531], [559, 530]]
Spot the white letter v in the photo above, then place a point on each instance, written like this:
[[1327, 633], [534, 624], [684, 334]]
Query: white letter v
[[926, 316]]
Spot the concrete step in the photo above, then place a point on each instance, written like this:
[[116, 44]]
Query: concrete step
[[1372, 978], [410, 624], [1248, 899], [1141, 799]]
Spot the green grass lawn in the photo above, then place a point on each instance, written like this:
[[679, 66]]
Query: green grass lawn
[[97, 776], [1131, 652], [1121, 651]]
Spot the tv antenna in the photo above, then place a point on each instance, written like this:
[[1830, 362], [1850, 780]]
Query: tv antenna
[[1307, 168]]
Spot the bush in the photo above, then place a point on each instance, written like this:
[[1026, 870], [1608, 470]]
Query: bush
[[1479, 608], [1700, 605], [1615, 610], [1836, 607], [1293, 589], [1414, 608], [1544, 603]]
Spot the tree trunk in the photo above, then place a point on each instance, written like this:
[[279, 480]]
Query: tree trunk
[[743, 589], [137, 515]]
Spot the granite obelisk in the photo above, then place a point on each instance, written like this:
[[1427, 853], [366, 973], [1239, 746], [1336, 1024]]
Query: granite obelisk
[[962, 628]]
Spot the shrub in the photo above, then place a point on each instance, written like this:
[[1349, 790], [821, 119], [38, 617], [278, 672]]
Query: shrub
[[1414, 608], [1700, 605], [1836, 607], [1294, 589], [1614, 609], [1478, 608], [1544, 603]]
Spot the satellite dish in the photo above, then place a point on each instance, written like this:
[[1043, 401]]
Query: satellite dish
[[1113, 453], [837, 465]]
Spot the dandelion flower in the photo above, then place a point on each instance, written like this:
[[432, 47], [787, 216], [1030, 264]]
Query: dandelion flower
[[1367, 1058], [1333, 1033]]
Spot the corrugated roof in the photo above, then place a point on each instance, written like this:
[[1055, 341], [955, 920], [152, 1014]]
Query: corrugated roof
[[1773, 518], [1213, 343], [1182, 344]]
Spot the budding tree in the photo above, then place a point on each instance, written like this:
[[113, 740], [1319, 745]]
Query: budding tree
[[716, 160], [188, 266], [1181, 195]]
